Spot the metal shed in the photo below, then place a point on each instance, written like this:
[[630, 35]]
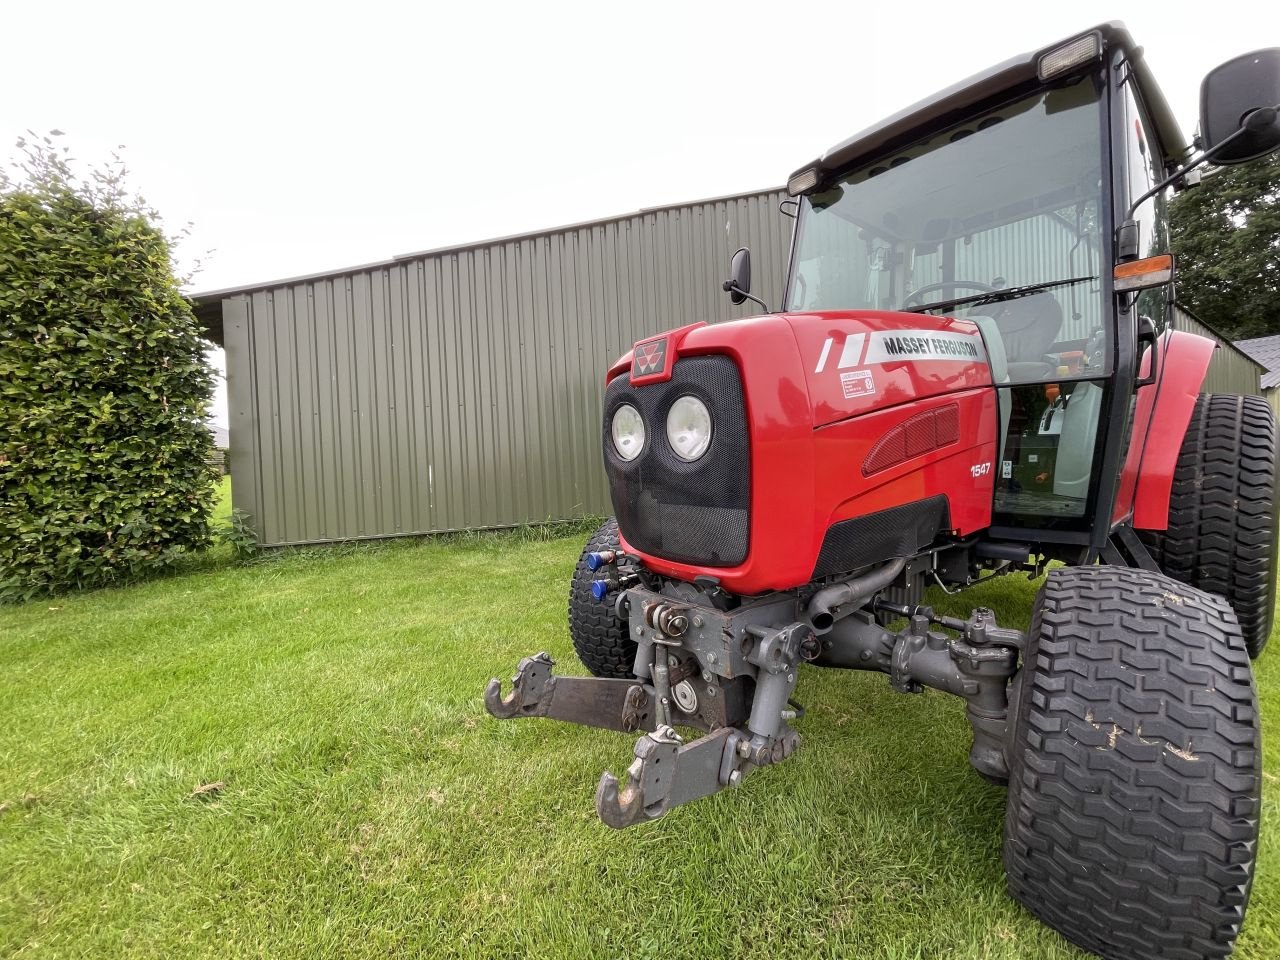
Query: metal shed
[[460, 388], [1231, 370]]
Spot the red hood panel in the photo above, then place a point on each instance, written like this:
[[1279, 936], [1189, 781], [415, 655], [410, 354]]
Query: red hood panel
[[859, 361]]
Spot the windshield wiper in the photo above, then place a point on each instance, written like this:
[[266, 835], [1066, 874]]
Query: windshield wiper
[[995, 296]]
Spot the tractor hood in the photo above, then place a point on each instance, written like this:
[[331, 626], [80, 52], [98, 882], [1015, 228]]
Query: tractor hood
[[851, 362]]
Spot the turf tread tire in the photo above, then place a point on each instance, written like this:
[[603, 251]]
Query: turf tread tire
[[1222, 516], [1135, 768], [600, 639]]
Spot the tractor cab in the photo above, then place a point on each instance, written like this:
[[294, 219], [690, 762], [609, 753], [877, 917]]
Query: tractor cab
[[1000, 201]]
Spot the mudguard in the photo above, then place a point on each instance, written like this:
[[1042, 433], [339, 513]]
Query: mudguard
[[1160, 423]]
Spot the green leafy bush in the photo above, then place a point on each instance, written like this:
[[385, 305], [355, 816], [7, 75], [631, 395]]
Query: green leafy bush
[[104, 385], [238, 534]]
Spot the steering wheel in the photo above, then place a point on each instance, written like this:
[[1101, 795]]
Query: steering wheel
[[946, 285]]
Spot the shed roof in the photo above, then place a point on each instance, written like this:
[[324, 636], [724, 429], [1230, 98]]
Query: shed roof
[[208, 303], [1265, 350], [221, 436]]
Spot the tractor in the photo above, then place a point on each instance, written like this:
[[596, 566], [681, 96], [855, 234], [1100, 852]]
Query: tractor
[[975, 373]]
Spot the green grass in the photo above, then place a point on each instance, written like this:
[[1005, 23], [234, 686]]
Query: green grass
[[369, 806], [222, 506]]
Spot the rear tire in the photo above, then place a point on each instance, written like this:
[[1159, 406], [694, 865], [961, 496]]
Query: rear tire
[[599, 638], [1135, 767], [1222, 516]]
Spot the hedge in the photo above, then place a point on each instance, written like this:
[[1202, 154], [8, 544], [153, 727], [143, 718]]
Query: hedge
[[104, 385]]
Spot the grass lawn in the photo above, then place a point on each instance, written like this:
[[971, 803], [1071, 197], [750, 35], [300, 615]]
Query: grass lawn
[[222, 507], [368, 806]]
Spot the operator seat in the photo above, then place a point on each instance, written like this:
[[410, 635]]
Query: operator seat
[[1080, 421], [1028, 327]]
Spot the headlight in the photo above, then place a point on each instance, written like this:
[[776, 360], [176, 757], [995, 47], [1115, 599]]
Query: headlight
[[689, 428], [628, 432]]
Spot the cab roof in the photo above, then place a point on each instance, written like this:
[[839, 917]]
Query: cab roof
[[957, 101]]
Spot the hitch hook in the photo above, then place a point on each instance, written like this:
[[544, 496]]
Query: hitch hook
[[527, 688], [648, 782], [667, 773]]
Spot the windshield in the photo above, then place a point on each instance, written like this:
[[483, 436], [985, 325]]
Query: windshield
[[1010, 198]]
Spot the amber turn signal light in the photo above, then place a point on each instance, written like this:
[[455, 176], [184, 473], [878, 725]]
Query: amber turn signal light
[[1141, 274]]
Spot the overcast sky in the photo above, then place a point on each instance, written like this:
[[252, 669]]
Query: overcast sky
[[302, 137]]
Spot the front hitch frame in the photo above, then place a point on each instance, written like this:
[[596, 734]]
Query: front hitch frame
[[716, 672], [666, 771], [731, 673]]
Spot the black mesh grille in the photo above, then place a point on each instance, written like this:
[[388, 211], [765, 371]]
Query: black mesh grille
[[897, 532], [688, 512]]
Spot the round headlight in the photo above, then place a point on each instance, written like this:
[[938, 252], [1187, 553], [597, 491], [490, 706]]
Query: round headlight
[[689, 428], [628, 432]]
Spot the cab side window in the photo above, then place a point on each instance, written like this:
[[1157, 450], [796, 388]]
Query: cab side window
[[1145, 170]]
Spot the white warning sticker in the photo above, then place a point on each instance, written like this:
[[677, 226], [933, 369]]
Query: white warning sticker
[[857, 383], [1006, 469], [887, 346]]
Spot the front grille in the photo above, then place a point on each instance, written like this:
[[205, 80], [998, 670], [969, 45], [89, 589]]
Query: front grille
[[687, 512]]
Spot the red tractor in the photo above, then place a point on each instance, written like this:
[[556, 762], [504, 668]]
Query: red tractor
[[973, 374]]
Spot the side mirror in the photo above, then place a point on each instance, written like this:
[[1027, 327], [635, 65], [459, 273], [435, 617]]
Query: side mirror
[[1238, 101], [739, 283]]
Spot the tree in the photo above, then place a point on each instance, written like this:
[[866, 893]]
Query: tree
[[1226, 234], [104, 384]]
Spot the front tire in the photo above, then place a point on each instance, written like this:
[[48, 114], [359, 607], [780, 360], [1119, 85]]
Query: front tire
[[600, 639], [1135, 768], [1222, 514]]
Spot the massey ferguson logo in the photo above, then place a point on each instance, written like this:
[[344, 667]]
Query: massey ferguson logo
[[650, 358]]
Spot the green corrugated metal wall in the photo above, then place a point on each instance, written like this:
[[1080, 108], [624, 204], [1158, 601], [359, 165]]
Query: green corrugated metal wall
[[1231, 370], [461, 389]]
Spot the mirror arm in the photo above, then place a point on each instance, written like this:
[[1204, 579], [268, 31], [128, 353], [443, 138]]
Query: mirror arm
[[730, 287], [1207, 155]]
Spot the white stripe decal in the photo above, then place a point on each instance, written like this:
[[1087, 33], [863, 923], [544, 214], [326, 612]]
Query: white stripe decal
[[822, 360], [852, 350]]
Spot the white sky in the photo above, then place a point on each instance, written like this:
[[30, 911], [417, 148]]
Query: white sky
[[309, 136]]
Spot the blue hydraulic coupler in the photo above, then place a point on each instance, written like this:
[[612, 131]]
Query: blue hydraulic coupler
[[600, 589], [602, 559]]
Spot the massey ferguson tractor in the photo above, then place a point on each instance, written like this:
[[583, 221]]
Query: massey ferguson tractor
[[974, 373]]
